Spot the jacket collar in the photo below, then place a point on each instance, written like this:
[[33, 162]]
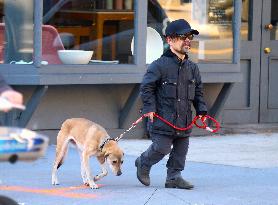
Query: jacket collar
[[169, 53]]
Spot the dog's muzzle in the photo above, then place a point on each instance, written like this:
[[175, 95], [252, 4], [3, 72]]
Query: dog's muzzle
[[119, 173]]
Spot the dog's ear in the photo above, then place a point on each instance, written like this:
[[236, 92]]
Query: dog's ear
[[106, 155]]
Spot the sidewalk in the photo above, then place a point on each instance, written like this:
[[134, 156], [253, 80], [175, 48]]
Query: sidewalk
[[244, 150], [226, 170]]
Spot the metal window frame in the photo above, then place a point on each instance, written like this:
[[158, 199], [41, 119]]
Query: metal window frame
[[38, 74]]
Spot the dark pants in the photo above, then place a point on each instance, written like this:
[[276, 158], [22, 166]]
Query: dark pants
[[160, 147]]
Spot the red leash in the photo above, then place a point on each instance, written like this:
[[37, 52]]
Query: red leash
[[194, 122]]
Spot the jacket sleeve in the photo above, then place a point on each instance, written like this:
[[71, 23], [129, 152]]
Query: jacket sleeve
[[199, 102], [148, 88], [3, 85]]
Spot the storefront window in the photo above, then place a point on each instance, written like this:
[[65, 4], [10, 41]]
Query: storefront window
[[16, 31], [274, 20], [245, 16], [212, 18], [105, 27]]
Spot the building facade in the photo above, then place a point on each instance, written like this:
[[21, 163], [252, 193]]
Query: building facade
[[236, 52]]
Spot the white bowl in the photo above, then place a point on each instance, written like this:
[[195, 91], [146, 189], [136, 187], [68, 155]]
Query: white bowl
[[154, 46], [75, 56]]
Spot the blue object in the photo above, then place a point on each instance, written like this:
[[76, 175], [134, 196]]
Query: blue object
[[21, 144]]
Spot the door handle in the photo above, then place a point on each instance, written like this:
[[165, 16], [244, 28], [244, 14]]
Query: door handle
[[268, 27], [267, 50]]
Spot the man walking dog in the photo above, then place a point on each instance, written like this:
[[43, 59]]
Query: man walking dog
[[169, 87]]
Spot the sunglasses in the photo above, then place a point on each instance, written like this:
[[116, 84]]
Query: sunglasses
[[183, 37]]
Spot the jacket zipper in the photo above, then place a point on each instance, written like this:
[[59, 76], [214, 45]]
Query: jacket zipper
[[177, 91]]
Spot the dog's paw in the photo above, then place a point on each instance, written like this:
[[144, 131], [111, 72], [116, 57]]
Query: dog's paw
[[94, 186], [54, 180], [55, 183]]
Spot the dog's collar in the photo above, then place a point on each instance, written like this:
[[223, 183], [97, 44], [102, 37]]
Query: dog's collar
[[104, 142]]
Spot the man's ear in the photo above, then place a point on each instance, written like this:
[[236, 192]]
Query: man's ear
[[168, 39]]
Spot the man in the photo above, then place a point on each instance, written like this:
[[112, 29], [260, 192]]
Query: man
[[169, 87], [11, 95]]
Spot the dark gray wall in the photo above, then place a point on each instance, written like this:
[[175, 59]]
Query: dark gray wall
[[99, 103]]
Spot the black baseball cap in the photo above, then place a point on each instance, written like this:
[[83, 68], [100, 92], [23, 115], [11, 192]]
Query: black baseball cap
[[179, 27]]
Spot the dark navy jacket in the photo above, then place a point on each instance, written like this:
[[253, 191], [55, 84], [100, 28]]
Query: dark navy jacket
[[169, 87]]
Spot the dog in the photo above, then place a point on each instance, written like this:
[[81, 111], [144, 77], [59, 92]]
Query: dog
[[90, 139]]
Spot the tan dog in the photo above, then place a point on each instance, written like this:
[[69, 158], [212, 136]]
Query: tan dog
[[91, 140]]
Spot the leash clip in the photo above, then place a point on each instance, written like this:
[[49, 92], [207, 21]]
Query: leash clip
[[209, 129]]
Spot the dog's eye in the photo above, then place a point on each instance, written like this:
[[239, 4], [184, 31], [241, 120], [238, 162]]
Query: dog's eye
[[114, 162], [122, 162]]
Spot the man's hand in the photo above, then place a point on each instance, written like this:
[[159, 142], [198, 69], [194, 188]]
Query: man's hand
[[13, 97], [202, 117], [150, 115]]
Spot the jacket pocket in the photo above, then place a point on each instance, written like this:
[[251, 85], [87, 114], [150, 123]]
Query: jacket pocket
[[191, 89], [170, 88]]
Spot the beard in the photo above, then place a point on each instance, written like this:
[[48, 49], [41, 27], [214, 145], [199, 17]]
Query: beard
[[186, 47], [184, 50]]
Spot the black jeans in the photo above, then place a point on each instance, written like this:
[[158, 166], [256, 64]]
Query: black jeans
[[161, 146]]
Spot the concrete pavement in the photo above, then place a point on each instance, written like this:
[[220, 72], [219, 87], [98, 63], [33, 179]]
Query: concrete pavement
[[245, 150], [226, 170]]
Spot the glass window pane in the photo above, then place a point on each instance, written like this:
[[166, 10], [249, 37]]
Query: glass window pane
[[274, 20], [16, 31], [212, 18], [105, 27], [245, 16]]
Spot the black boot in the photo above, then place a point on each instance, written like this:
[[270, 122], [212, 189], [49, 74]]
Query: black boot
[[179, 183], [143, 174]]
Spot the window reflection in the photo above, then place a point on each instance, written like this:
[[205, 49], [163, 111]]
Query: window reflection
[[245, 16], [16, 31], [274, 20], [212, 18], [104, 26]]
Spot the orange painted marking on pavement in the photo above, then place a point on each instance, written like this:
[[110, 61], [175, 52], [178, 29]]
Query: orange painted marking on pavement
[[64, 192], [70, 188]]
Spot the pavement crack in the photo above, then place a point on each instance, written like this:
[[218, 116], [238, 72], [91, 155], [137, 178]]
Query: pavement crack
[[150, 196]]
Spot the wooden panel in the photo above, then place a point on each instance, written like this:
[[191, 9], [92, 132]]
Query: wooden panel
[[242, 104], [269, 74], [240, 95], [272, 84]]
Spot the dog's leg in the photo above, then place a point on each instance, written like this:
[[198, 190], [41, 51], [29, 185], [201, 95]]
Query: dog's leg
[[103, 169], [61, 150], [86, 164], [82, 170]]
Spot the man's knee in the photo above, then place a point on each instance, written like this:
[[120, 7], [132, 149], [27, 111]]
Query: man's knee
[[163, 149]]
